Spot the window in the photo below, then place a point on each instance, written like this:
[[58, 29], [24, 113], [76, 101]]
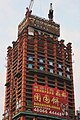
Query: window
[[67, 68], [68, 76], [41, 60], [30, 31], [51, 63], [7, 113], [39, 32], [59, 65], [41, 67], [51, 36], [29, 65], [18, 104], [30, 58], [51, 70], [29, 103], [60, 73]]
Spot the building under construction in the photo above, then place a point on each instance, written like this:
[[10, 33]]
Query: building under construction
[[39, 80]]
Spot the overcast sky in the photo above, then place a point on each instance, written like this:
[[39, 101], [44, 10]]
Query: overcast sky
[[66, 13]]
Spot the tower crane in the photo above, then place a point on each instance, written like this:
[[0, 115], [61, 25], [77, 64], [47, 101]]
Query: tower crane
[[29, 9]]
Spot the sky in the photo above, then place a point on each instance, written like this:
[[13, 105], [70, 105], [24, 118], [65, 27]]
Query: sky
[[66, 13]]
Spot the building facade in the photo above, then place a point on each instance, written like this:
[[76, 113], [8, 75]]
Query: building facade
[[37, 62]]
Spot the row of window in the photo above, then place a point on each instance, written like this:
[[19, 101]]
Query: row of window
[[40, 67], [50, 70], [41, 60], [32, 30]]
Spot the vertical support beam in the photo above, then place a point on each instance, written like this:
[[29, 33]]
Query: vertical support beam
[[11, 87], [71, 73], [16, 87], [46, 57], [35, 54], [63, 62], [24, 64], [9, 54], [55, 60], [22, 118]]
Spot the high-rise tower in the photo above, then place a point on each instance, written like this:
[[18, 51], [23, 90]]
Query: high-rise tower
[[39, 80]]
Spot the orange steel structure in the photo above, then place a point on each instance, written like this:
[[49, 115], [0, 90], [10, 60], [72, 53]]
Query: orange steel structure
[[37, 56]]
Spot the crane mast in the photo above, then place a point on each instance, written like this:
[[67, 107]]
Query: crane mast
[[29, 8], [31, 4]]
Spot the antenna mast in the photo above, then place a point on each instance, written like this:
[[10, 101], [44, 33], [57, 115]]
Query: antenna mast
[[50, 15], [29, 8]]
